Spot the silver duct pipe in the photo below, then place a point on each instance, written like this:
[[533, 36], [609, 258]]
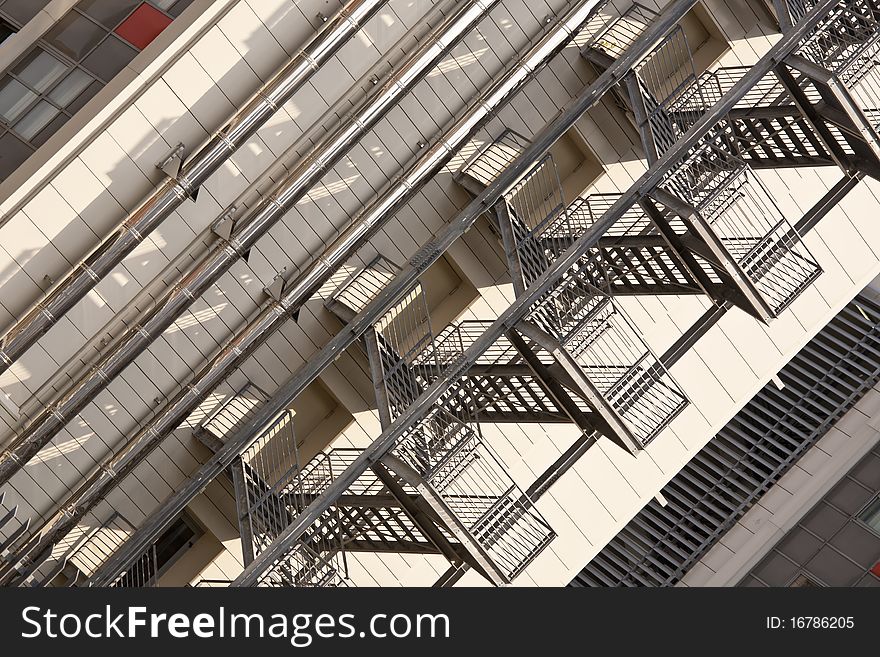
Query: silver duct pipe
[[364, 226], [254, 225], [297, 292], [248, 230], [171, 194]]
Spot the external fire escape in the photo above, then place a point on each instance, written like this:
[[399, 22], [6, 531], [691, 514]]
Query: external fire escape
[[699, 222], [709, 227]]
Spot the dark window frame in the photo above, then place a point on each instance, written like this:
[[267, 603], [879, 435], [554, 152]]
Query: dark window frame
[[861, 512]]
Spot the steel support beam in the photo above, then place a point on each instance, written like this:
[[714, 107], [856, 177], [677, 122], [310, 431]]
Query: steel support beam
[[508, 241], [433, 499], [695, 221], [829, 141], [841, 109], [551, 385], [383, 469], [246, 530], [782, 16], [613, 424], [640, 114]]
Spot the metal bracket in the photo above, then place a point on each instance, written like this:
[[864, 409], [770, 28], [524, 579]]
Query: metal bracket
[[170, 165], [276, 287], [222, 226]]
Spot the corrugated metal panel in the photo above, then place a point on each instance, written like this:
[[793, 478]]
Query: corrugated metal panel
[[707, 497]]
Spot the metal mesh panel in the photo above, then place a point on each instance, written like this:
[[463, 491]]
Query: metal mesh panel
[[535, 201], [797, 9], [621, 32], [275, 493], [101, 542], [488, 162], [363, 285], [302, 567], [613, 356], [632, 256], [404, 335], [234, 411], [668, 84], [743, 215], [847, 43], [477, 489], [751, 453]]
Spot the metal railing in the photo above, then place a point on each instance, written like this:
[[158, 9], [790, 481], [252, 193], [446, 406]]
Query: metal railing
[[235, 410], [275, 491], [366, 223], [490, 160], [667, 82], [100, 543], [849, 48], [752, 229], [427, 401], [621, 32], [447, 449]]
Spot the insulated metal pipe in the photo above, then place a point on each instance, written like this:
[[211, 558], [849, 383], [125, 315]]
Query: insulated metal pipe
[[325, 266], [171, 193], [219, 259], [248, 230]]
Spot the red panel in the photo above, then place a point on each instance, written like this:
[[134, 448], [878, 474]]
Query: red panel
[[876, 569], [144, 25]]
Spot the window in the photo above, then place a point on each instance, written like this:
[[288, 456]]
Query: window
[[6, 30], [83, 51], [870, 515], [21, 11], [144, 25]]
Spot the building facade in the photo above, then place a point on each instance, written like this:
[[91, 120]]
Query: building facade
[[485, 292]]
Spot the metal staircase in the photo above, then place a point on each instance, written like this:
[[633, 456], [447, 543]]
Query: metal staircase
[[445, 460]]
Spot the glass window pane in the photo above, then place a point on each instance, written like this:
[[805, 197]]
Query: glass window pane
[[179, 6], [871, 515], [85, 96], [40, 69], [75, 35], [6, 30], [108, 12], [23, 10], [144, 25], [70, 87], [164, 5], [13, 151], [35, 120], [14, 99], [109, 58], [49, 130]]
